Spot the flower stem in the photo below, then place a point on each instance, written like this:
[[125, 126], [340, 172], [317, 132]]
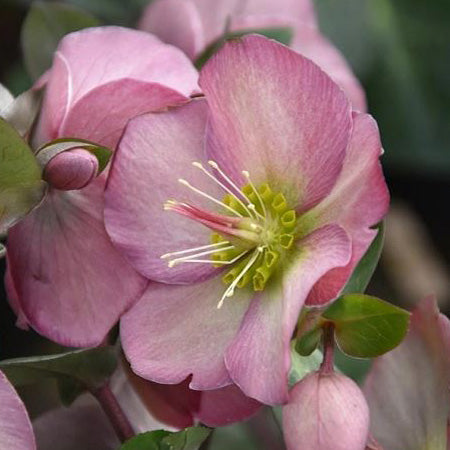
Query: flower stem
[[327, 365], [114, 411]]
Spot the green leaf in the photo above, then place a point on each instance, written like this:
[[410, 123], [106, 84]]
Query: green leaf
[[281, 34], [307, 343], [90, 367], [21, 187], [187, 439], [366, 326], [44, 26], [69, 390], [152, 440], [366, 267]]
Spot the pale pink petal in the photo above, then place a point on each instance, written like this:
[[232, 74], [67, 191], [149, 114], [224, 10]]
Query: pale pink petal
[[175, 22], [13, 299], [15, 426], [259, 357], [101, 115], [359, 200], [96, 56], [407, 388], [224, 406], [314, 45], [267, 100], [155, 152], [174, 331], [70, 281], [326, 412]]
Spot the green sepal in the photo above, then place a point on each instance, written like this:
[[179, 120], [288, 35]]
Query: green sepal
[[21, 186], [187, 439], [283, 35], [366, 267], [69, 390], [366, 326], [44, 26], [89, 368]]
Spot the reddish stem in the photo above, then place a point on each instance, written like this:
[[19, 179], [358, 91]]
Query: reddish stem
[[327, 365], [114, 411]]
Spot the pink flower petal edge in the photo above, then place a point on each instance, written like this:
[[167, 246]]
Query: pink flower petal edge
[[16, 432]]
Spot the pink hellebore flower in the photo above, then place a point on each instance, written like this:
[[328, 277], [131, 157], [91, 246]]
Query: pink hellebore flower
[[16, 432], [326, 412], [408, 388], [192, 25], [284, 185], [65, 277]]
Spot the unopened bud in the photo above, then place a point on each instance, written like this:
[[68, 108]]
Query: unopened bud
[[72, 169], [326, 412]]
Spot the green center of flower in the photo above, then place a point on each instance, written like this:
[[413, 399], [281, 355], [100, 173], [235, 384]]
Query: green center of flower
[[252, 234], [272, 224]]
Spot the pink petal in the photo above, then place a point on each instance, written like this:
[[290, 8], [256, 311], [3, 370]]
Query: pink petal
[[359, 200], [259, 357], [407, 389], [224, 406], [96, 56], [16, 432], [175, 22], [65, 269], [267, 100], [157, 150], [178, 406], [102, 114], [13, 299], [326, 412], [175, 331], [311, 43]]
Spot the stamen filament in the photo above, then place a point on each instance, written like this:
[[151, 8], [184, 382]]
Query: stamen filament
[[225, 188], [215, 166], [207, 252], [211, 261], [263, 207], [230, 290], [194, 249], [209, 197]]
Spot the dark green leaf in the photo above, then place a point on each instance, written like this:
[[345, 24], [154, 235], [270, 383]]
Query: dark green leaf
[[44, 26], [366, 326], [187, 439], [151, 440], [21, 187], [69, 390], [366, 267], [280, 34], [90, 368]]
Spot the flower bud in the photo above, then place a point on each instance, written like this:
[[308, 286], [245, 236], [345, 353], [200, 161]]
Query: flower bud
[[72, 169], [326, 412]]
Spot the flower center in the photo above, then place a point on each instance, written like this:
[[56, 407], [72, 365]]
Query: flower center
[[253, 231]]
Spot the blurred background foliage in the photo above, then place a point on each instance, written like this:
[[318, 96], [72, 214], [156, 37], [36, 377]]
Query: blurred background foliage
[[400, 50]]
